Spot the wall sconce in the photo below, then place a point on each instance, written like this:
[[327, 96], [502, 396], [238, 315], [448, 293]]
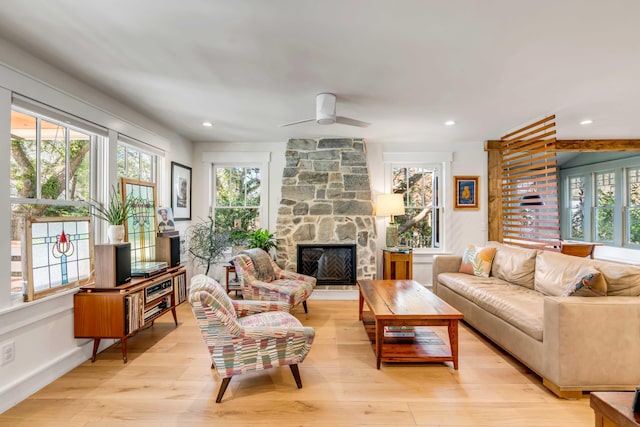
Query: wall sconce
[[390, 204]]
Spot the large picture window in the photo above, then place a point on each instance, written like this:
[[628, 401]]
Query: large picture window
[[237, 197], [420, 226]]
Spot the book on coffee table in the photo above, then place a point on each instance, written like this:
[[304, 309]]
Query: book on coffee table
[[399, 331]]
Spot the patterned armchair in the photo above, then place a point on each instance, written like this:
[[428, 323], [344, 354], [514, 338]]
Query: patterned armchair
[[263, 279], [245, 336]]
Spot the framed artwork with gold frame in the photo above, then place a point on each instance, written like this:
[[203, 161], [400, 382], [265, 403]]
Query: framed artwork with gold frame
[[466, 192]]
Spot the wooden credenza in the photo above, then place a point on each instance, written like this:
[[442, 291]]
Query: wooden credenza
[[121, 311]]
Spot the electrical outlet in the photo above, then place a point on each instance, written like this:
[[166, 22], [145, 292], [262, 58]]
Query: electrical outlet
[[8, 353]]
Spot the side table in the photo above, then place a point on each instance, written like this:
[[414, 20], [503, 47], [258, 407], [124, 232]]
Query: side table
[[397, 264], [233, 284]]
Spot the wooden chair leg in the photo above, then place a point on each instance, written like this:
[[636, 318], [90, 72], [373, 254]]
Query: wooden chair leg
[[223, 388], [304, 304], [296, 375]]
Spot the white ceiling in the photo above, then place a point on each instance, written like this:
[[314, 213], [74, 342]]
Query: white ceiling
[[405, 66]]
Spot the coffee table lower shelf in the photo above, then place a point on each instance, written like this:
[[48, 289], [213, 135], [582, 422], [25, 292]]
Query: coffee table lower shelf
[[426, 346]]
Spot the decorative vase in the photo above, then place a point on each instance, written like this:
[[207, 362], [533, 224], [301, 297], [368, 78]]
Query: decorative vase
[[115, 233]]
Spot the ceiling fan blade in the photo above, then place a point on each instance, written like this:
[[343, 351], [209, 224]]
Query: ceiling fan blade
[[351, 122], [298, 122]]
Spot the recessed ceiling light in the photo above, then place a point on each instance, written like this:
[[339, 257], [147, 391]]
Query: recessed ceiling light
[[586, 122], [450, 123], [207, 124]]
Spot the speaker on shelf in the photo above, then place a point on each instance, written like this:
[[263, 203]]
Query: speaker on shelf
[[112, 264], [168, 250]]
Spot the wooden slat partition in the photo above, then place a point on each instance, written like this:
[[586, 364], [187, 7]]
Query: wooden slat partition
[[530, 186]]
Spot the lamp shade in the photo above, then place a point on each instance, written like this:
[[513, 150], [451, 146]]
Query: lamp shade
[[390, 204]]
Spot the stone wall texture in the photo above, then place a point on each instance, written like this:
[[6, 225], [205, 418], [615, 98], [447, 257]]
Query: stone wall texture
[[326, 198]]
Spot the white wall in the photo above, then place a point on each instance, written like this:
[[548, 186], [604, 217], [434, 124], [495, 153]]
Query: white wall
[[461, 227], [42, 331]]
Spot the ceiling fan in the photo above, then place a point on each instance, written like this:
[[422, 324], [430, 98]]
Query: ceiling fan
[[326, 113]]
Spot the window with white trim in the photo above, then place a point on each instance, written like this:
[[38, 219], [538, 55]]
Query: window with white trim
[[135, 163], [51, 174], [237, 197], [421, 225]]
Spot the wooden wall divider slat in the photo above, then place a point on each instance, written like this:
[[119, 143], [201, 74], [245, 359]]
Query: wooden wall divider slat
[[529, 178], [498, 190]]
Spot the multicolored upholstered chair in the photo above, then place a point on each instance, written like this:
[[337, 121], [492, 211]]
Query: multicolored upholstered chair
[[245, 336], [263, 279]]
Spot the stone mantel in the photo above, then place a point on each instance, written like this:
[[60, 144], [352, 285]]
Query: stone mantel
[[326, 198]]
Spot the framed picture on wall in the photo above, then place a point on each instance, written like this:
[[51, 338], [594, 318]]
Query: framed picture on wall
[[466, 194], [181, 192]]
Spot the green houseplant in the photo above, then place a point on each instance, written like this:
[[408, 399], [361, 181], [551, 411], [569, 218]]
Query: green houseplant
[[115, 213], [263, 239]]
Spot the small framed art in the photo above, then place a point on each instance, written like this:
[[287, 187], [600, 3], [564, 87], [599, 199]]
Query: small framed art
[[466, 192], [181, 192]]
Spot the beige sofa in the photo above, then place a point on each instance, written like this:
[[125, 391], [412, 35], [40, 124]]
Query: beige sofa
[[574, 343]]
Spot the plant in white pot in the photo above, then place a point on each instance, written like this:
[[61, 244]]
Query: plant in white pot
[[115, 213]]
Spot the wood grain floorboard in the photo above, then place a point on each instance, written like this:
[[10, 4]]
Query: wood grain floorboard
[[168, 382]]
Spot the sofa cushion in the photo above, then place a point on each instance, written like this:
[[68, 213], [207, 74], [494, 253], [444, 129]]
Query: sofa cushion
[[622, 279], [519, 306], [514, 265], [556, 272], [477, 260]]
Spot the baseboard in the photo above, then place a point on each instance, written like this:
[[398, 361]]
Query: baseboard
[[334, 295], [15, 392]]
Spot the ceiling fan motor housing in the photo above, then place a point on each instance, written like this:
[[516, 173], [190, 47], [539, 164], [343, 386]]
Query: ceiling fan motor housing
[[325, 108]]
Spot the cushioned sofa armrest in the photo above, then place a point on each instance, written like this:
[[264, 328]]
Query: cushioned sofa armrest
[[248, 307], [591, 341], [444, 264]]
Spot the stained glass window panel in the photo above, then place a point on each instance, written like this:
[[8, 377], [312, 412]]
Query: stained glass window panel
[[59, 254]]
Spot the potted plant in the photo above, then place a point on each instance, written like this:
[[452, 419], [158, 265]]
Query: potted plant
[[263, 239], [115, 213], [206, 244]]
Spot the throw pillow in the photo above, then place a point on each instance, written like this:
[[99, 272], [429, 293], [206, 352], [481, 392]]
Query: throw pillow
[[477, 261], [590, 285]]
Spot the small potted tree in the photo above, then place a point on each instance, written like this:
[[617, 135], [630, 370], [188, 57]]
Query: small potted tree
[[206, 244], [115, 213]]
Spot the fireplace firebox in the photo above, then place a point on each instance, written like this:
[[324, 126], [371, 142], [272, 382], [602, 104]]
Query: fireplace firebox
[[330, 264]]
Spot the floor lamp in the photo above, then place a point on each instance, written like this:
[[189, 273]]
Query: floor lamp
[[390, 204]]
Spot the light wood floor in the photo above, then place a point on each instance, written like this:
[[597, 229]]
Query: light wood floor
[[168, 382]]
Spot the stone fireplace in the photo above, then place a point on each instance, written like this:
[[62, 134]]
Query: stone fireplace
[[326, 198]]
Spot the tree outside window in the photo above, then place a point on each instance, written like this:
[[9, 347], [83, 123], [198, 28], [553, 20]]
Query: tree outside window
[[237, 199], [576, 186], [605, 203], [419, 227], [633, 206]]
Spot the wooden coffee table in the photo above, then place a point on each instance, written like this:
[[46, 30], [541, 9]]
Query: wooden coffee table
[[613, 408], [407, 303]]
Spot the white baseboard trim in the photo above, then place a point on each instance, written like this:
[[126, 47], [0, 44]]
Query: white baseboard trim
[[13, 393], [334, 295]]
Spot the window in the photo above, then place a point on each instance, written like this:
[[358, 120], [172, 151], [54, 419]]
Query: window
[[420, 226], [604, 206], [602, 202], [237, 198], [51, 176], [633, 206], [134, 163]]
